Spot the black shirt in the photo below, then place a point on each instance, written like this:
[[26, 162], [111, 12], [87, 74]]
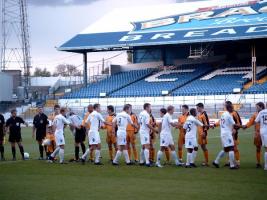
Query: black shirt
[[40, 121], [2, 123], [14, 124]]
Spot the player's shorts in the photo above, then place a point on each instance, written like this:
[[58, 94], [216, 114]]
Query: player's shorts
[[121, 137], [130, 137], [264, 140], [257, 141], [59, 137], [40, 136], [181, 139], [94, 137], [227, 141], [190, 143], [80, 135], [14, 137], [166, 140], [144, 138], [111, 138], [202, 141]]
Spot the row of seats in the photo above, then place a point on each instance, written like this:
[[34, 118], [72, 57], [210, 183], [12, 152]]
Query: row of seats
[[110, 84], [257, 89]]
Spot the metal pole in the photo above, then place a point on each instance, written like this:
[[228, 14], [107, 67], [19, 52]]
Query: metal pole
[[85, 69]]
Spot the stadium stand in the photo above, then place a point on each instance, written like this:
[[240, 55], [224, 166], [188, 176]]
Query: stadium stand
[[110, 84], [163, 81], [257, 89]]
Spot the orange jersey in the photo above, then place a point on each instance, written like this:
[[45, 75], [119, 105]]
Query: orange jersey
[[135, 121], [182, 120], [238, 121], [84, 121], [251, 122], [153, 123], [109, 119], [204, 119]]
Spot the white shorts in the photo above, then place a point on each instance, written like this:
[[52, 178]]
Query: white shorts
[[166, 140], [227, 141], [190, 143], [94, 137], [60, 139], [121, 137], [264, 140], [144, 138]]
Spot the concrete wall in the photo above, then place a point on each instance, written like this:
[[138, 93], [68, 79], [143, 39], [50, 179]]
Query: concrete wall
[[6, 87]]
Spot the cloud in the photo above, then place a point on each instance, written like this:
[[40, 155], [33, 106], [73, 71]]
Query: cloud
[[59, 2]]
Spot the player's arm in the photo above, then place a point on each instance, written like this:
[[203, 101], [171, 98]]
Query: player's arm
[[258, 118], [136, 123], [114, 125], [131, 122], [24, 122], [250, 122]]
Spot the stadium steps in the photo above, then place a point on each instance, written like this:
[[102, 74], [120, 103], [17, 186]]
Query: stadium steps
[[141, 78], [249, 84], [198, 77]]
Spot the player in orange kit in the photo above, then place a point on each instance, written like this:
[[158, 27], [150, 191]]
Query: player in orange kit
[[203, 132], [257, 138], [131, 135], [111, 137], [181, 138], [152, 139]]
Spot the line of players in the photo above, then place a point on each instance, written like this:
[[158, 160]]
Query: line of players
[[123, 127]]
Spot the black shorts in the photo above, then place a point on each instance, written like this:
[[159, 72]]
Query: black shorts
[[80, 135], [15, 137], [40, 136]]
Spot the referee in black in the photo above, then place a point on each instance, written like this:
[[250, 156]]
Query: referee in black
[[2, 135], [13, 125], [40, 123]]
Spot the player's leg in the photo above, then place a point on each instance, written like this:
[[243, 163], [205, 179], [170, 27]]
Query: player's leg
[[128, 142], [2, 149], [77, 150], [159, 156], [167, 155], [13, 149], [189, 158], [126, 155], [41, 149], [133, 144], [258, 145], [264, 144], [61, 153], [118, 155], [173, 153], [110, 149], [218, 158], [152, 152], [21, 149], [206, 155], [97, 154], [231, 153], [180, 146], [236, 152]]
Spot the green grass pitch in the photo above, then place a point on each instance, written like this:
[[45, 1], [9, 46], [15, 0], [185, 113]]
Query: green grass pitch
[[39, 180]]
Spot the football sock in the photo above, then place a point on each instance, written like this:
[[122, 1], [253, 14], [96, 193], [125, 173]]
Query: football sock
[[159, 155], [41, 150], [92, 155], [258, 156], [206, 155], [84, 156], [2, 150], [77, 149], [152, 154], [167, 154], [54, 154], [110, 154], [135, 153], [180, 154], [188, 158], [232, 158], [130, 152], [83, 147], [146, 153], [61, 155], [219, 156], [194, 155], [237, 155], [142, 156], [13, 152], [97, 155], [126, 156], [265, 159], [21, 149], [175, 158], [118, 155]]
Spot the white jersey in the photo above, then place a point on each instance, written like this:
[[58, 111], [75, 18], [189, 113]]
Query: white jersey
[[59, 122], [262, 119], [76, 120], [166, 127], [123, 119], [226, 124], [144, 119], [190, 126], [95, 119]]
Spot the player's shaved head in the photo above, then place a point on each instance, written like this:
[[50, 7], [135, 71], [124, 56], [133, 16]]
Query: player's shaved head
[[90, 108], [193, 112], [163, 111]]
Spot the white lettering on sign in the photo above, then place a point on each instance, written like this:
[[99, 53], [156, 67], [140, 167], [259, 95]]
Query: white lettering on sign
[[163, 35], [130, 38]]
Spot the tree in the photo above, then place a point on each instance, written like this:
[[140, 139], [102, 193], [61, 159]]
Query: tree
[[67, 70], [41, 72]]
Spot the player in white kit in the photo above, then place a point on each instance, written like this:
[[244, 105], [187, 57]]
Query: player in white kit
[[145, 127], [262, 119], [121, 121], [58, 125], [166, 139], [227, 124], [191, 144], [95, 119]]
